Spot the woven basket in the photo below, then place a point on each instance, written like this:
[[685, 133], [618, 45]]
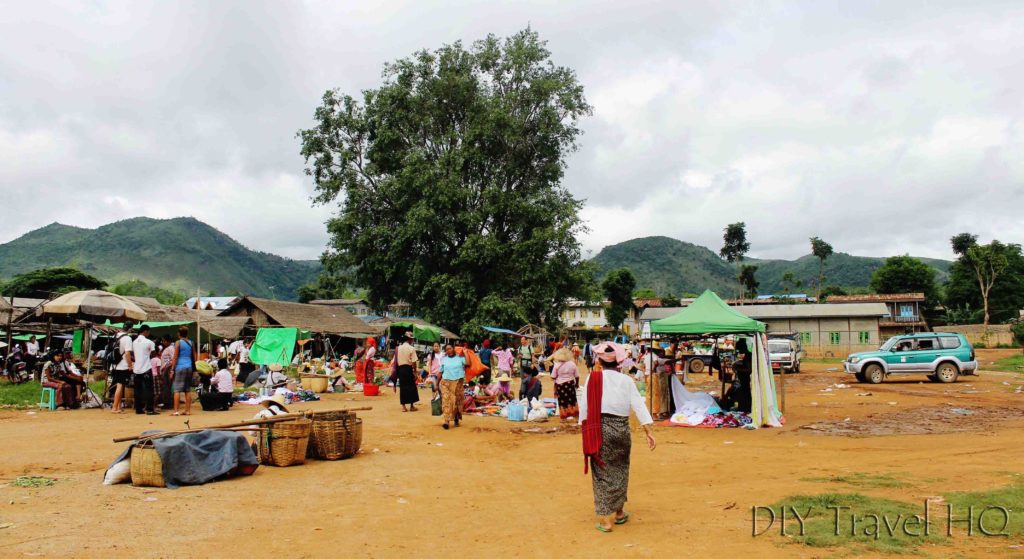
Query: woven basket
[[328, 438], [146, 467], [335, 435], [355, 437], [285, 443]]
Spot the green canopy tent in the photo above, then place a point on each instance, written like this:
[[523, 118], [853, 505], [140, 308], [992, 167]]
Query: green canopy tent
[[276, 345], [709, 314], [420, 332]]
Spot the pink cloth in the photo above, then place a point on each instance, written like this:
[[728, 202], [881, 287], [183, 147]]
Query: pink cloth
[[505, 359], [155, 364], [564, 372]]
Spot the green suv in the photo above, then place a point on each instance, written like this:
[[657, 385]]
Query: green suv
[[942, 356]]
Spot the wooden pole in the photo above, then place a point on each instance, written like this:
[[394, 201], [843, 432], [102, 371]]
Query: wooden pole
[[10, 318], [782, 380]]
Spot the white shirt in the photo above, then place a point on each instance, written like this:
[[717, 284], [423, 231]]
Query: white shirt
[[222, 381], [243, 354], [235, 346], [124, 345], [142, 348], [619, 395], [32, 348]]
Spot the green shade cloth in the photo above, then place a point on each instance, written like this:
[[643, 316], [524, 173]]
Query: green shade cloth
[[274, 345], [76, 344], [708, 314], [421, 332]]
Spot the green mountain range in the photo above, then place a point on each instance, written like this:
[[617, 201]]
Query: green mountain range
[[669, 265], [182, 254]]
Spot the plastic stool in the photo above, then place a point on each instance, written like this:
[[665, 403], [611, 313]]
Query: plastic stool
[[48, 398]]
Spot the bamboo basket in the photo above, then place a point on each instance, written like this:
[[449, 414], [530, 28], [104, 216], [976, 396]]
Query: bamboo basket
[[328, 437], [335, 435], [355, 437], [285, 443], [146, 467], [315, 383]]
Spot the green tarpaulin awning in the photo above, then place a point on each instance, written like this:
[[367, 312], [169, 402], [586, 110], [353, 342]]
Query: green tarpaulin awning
[[708, 314], [274, 345], [421, 332]]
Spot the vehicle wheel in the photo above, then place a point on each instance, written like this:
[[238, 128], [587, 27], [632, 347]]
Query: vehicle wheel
[[874, 373], [947, 372], [860, 377], [696, 366], [796, 369]]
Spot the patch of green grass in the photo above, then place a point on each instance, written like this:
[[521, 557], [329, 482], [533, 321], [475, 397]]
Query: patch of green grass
[[850, 520], [33, 481], [1012, 364], [991, 508], [26, 395], [860, 479]]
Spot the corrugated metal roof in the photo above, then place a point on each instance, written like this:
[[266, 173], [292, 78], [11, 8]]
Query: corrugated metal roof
[[881, 298], [768, 312]]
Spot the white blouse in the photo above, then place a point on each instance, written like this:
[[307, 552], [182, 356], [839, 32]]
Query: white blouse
[[618, 397]]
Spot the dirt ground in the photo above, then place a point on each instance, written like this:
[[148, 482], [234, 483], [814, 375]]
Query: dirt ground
[[492, 488]]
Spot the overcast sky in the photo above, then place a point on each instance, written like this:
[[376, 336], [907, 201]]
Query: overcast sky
[[882, 127]]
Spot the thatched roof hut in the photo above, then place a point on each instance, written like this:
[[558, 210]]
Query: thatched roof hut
[[382, 323], [315, 318]]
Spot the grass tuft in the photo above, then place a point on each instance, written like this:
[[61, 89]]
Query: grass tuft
[[860, 479]]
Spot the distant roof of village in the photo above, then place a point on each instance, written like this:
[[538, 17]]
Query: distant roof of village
[[882, 298], [210, 303], [338, 302]]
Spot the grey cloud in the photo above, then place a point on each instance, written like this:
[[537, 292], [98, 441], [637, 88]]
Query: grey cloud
[[883, 128]]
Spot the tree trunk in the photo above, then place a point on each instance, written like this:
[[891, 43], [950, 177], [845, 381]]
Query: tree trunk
[[821, 278]]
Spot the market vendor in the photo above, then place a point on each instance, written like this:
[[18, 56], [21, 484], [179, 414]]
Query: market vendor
[[529, 386], [739, 393], [500, 390], [275, 378], [272, 406], [67, 385], [219, 397]]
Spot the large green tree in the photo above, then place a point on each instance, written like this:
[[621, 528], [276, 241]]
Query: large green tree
[[47, 282], [735, 247], [448, 177], [906, 274], [748, 279], [821, 250], [618, 286], [964, 297]]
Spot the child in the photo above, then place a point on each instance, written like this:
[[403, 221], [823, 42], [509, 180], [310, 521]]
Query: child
[[159, 389]]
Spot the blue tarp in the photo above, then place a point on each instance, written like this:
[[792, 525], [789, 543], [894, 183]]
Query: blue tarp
[[503, 331], [197, 458]]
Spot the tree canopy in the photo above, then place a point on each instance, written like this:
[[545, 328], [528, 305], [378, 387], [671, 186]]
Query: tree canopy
[[45, 283], [748, 279], [906, 274], [964, 294], [139, 288], [448, 180], [618, 288]]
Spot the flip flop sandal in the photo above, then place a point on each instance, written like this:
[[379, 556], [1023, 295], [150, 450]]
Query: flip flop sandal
[[602, 528], [623, 519]]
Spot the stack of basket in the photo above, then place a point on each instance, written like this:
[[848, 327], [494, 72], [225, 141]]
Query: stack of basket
[[284, 443], [335, 435]]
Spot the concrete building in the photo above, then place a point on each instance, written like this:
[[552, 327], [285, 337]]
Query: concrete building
[[903, 311], [824, 330]]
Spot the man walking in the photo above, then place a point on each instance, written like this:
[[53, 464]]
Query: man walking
[[525, 356], [407, 365], [142, 350], [122, 373]]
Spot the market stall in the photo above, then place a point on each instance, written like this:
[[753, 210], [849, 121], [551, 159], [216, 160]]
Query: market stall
[[709, 315]]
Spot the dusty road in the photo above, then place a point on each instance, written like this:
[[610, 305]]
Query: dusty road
[[490, 489]]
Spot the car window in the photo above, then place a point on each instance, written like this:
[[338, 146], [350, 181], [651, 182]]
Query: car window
[[949, 342], [925, 343]]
